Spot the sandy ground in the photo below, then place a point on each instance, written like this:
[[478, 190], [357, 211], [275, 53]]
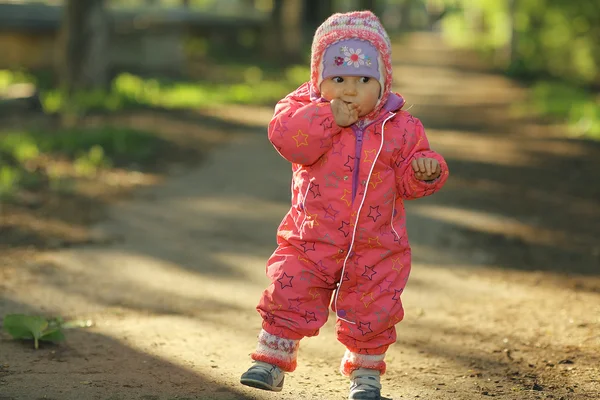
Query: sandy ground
[[504, 299]]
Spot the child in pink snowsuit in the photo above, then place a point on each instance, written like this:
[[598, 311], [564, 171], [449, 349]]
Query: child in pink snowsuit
[[356, 156]]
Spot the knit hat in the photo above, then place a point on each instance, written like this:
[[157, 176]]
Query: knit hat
[[352, 44]]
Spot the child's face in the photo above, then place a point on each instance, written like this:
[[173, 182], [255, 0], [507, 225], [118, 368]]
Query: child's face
[[360, 90]]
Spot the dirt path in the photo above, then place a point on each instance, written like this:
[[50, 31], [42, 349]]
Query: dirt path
[[504, 300]]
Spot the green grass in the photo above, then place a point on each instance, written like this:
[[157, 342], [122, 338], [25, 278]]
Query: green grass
[[31, 159], [250, 85], [578, 108]]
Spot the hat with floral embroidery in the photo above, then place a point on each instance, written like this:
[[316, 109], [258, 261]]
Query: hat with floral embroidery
[[352, 44]]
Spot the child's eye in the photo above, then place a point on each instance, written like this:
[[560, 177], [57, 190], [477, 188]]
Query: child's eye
[[364, 79], [337, 79]]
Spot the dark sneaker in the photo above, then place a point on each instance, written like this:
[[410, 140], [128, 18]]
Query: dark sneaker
[[263, 376], [365, 385]]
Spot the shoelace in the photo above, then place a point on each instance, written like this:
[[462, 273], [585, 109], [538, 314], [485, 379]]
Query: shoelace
[[361, 381]]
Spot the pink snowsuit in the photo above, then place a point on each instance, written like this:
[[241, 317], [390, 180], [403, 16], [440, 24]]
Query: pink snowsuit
[[346, 228]]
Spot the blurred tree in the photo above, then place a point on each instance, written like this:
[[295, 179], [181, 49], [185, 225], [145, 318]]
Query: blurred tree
[[316, 11], [368, 5], [532, 38], [84, 44], [284, 39]]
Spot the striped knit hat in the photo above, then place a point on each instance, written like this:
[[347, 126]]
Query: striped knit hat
[[352, 44]]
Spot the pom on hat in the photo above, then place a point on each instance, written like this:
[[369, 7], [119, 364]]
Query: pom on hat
[[356, 44]]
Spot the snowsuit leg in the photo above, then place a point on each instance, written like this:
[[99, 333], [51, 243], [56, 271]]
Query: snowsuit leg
[[374, 304], [295, 305]]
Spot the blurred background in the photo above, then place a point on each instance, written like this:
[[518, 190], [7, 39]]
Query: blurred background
[[169, 100], [97, 96]]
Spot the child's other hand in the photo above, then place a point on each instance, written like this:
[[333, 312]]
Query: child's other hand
[[426, 169], [345, 114]]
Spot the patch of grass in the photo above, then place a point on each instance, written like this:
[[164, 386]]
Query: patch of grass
[[253, 87], [578, 108], [33, 158]]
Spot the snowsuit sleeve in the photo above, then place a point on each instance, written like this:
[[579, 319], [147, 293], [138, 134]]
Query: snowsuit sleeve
[[416, 146], [302, 131]]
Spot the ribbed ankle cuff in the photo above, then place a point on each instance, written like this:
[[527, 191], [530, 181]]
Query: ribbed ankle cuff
[[353, 361], [276, 351]]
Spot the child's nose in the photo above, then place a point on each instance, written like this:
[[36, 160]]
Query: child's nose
[[350, 89]]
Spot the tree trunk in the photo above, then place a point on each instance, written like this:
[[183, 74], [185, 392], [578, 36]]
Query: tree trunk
[[284, 38], [368, 5], [291, 24], [84, 63], [317, 11]]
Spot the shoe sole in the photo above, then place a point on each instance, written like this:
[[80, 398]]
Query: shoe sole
[[260, 385]]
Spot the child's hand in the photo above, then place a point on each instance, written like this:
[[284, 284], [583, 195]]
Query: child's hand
[[426, 169], [345, 114]]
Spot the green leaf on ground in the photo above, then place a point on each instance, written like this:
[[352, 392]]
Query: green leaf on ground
[[21, 326]]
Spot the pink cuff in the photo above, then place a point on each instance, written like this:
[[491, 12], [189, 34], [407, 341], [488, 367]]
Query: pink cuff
[[276, 351], [353, 361]]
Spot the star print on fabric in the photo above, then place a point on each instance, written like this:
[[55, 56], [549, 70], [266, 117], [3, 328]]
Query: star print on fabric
[[346, 277], [396, 264], [397, 293], [270, 318], [338, 146], [367, 299], [347, 200], [385, 254], [384, 230], [339, 257], [375, 179], [394, 320], [380, 314], [305, 260], [309, 317], [384, 286], [365, 329], [390, 145], [301, 139], [344, 228], [314, 293], [327, 238], [306, 275], [350, 163], [320, 266], [389, 196], [322, 311], [285, 280], [331, 213], [294, 304], [356, 258], [312, 218], [301, 157], [332, 179], [396, 237], [325, 143], [369, 155], [327, 123], [374, 213], [374, 242], [308, 246], [369, 272], [310, 115], [314, 189], [281, 126]]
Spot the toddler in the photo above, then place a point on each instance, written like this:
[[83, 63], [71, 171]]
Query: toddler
[[356, 156]]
